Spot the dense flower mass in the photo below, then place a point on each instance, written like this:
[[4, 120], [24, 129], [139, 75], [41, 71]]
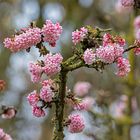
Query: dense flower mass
[[106, 54], [127, 3], [38, 111], [33, 98], [51, 32], [88, 102], [83, 104], [108, 39], [82, 88], [48, 82], [109, 53], [123, 66], [52, 63], [38, 101], [137, 22], [79, 106], [76, 123], [137, 34], [25, 40], [4, 136], [79, 35], [89, 56], [35, 71], [46, 93], [137, 51], [121, 9]]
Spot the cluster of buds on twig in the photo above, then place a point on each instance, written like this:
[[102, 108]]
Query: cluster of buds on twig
[[2, 85], [8, 112]]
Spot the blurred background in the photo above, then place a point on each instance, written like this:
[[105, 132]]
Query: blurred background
[[72, 14]]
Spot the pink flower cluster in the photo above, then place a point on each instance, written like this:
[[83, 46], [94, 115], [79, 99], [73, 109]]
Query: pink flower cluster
[[85, 104], [51, 32], [31, 36], [89, 56], [137, 50], [109, 53], [82, 88], [38, 111], [112, 51], [33, 98], [137, 22], [123, 66], [46, 95], [4, 136], [137, 34], [89, 102], [79, 35], [108, 39], [52, 63], [127, 3], [76, 123], [35, 71], [121, 9], [112, 48]]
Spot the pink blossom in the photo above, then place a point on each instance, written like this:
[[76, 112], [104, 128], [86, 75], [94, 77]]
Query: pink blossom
[[109, 53], [88, 102], [121, 9], [35, 71], [4, 136], [118, 50], [137, 51], [120, 109], [85, 104], [106, 54], [127, 3], [89, 56], [33, 98], [1, 133], [137, 34], [9, 113], [47, 82], [120, 41], [46, 93], [38, 111], [137, 22], [7, 137], [76, 123], [109, 40], [82, 88], [76, 103], [123, 66], [79, 35], [51, 32], [52, 63], [79, 106], [25, 40]]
